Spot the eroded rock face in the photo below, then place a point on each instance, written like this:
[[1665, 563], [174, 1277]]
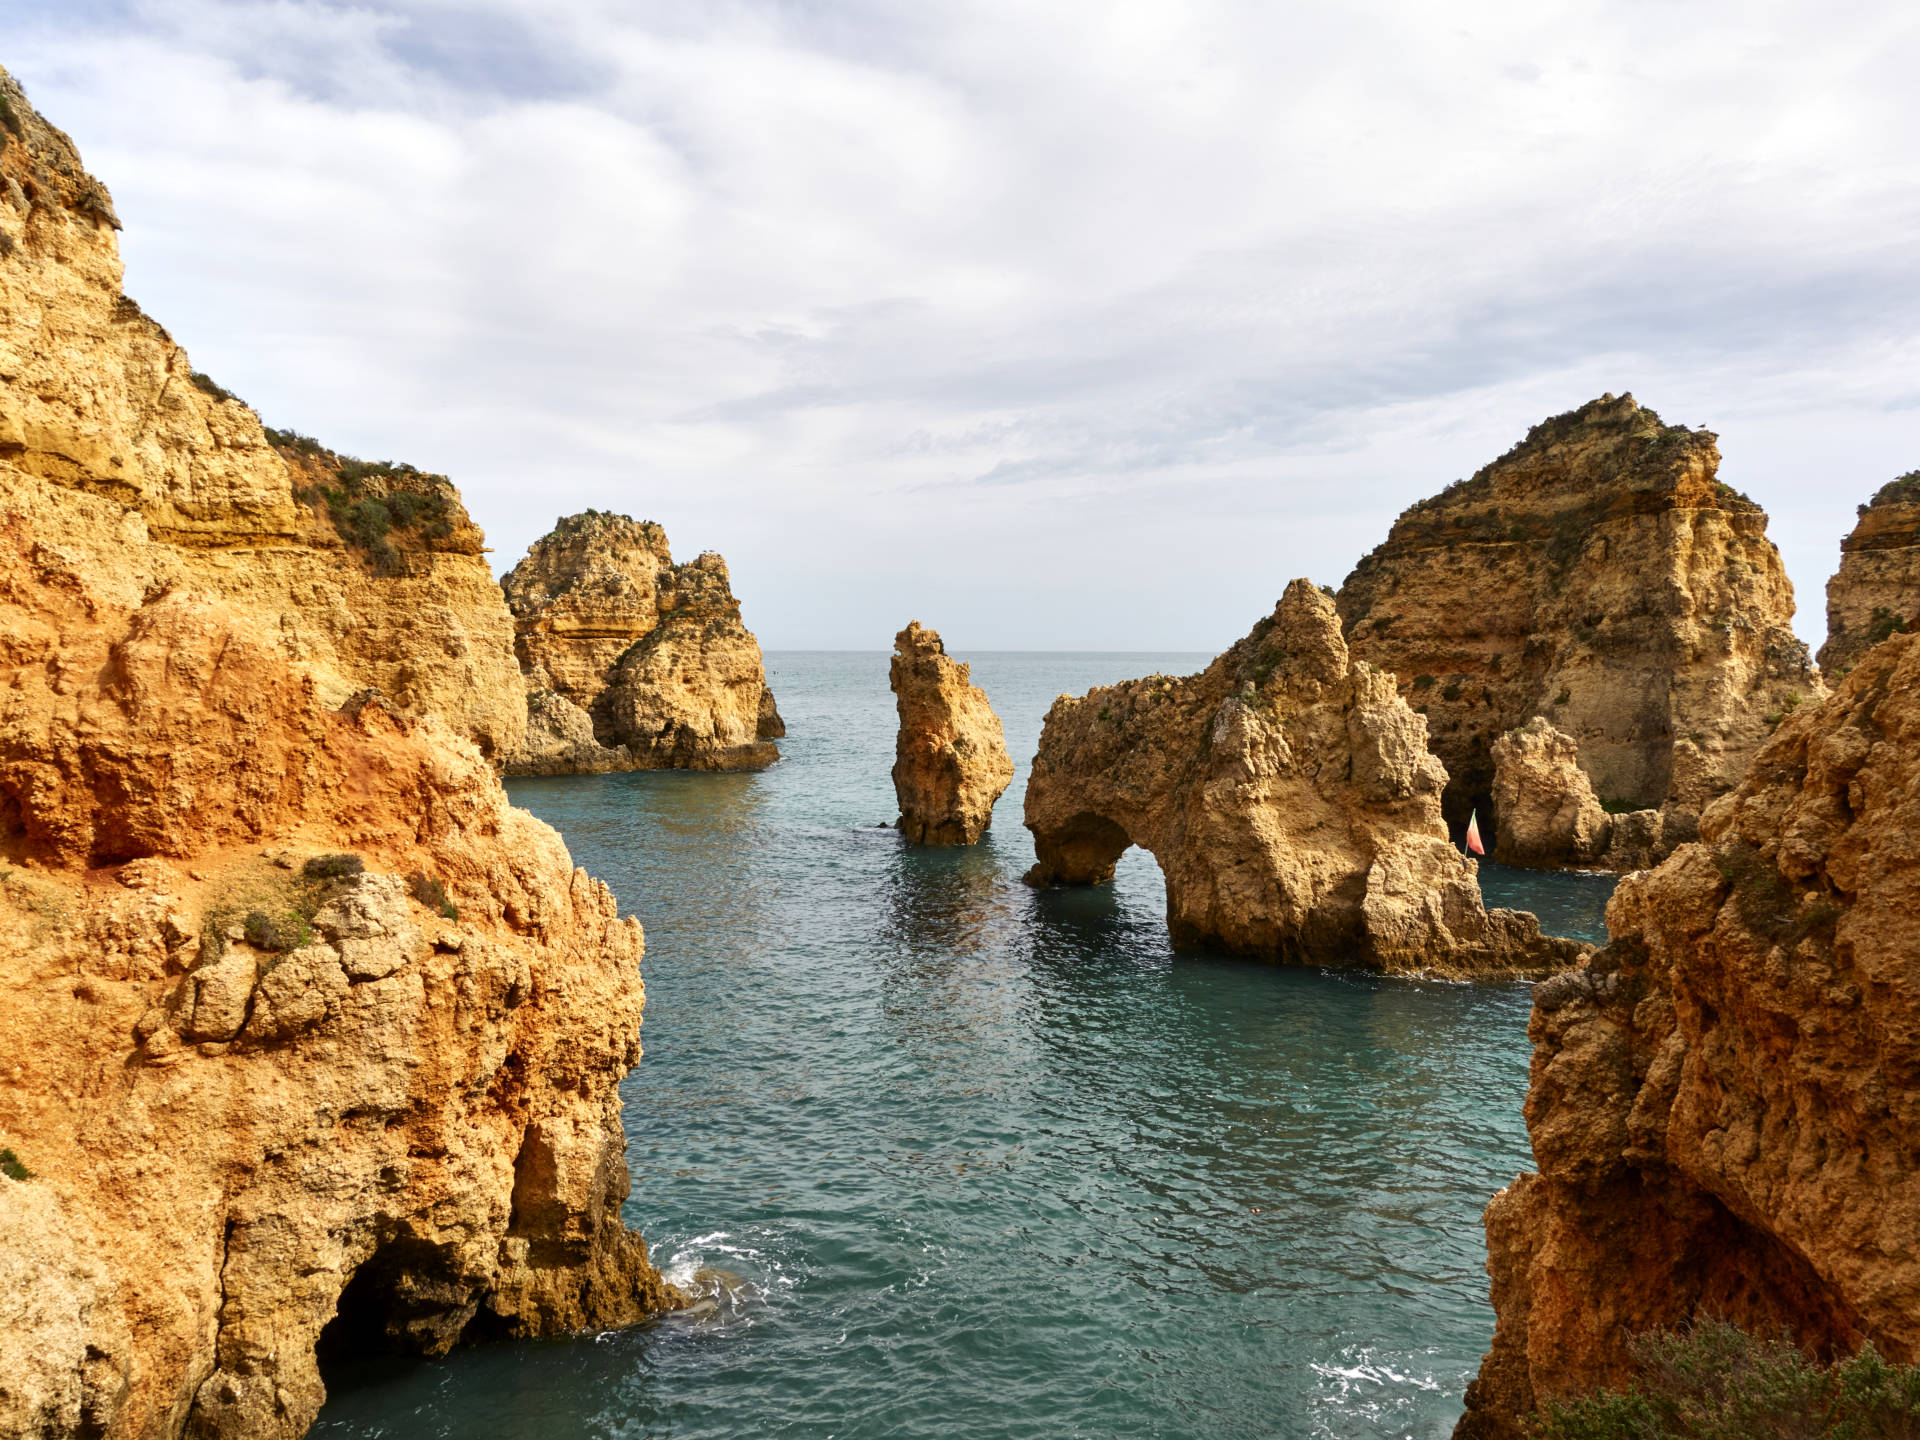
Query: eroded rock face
[[1598, 575], [1724, 1099], [230, 1124], [95, 397], [950, 758], [1549, 816], [1290, 799], [1876, 591], [250, 1099], [653, 655]]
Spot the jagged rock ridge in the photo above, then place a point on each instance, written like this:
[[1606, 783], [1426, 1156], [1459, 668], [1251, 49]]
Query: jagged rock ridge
[[632, 662], [1599, 575], [1876, 591], [1724, 1098], [1290, 799], [244, 1098], [950, 755], [97, 398]]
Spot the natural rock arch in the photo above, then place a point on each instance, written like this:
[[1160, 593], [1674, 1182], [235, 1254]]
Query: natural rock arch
[[1290, 800]]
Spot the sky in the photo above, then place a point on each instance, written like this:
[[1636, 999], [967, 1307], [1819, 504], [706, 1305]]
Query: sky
[[1053, 326]]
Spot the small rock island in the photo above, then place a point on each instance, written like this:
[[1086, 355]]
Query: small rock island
[[950, 761]]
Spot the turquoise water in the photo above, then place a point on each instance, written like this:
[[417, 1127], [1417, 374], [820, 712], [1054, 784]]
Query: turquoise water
[[991, 1162]]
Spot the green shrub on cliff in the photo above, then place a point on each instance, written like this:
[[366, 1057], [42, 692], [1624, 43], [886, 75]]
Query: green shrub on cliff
[[1716, 1382]]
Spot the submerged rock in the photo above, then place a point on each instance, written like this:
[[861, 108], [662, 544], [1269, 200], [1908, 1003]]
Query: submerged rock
[[1598, 575], [650, 655], [244, 1096], [1724, 1098], [1291, 801], [950, 758], [1876, 591]]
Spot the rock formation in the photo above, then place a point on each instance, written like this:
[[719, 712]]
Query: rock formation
[[304, 1019], [1600, 576], [1292, 804], [1724, 1098], [1549, 815], [950, 759], [1876, 591], [632, 662], [367, 575]]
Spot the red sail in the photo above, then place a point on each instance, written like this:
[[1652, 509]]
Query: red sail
[[1473, 833]]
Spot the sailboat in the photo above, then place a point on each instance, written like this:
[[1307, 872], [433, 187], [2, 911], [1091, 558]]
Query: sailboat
[[1473, 833]]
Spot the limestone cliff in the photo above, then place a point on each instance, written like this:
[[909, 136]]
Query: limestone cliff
[[1290, 799], [1876, 591], [304, 1019], [950, 757], [1600, 575], [97, 398], [1724, 1099], [632, 662]]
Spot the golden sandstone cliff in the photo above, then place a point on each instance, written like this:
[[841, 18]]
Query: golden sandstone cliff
[[249, 1087], [632, 662], [950, 756], [1724, 1099], [1289, 796], [97, 398], [1876, 591], [1600, 576]]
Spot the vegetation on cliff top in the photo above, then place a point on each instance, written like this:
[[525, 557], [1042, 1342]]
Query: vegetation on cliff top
[[370, 499], [1716, 1382], [1903, 490]]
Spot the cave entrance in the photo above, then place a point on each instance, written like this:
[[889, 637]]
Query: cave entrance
[[399, 1304]]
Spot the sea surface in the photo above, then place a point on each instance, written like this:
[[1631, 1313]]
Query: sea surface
[[949, 1157]]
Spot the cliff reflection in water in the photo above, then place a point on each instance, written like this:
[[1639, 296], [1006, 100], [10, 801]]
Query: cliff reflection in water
[[990, 1161]]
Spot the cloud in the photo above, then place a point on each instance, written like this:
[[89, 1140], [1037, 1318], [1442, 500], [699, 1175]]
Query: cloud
[[1060, 327]]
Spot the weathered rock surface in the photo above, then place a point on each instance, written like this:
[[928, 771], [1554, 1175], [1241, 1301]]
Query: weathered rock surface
[[950, 757], [1598, 574], [1724, 1099], [1290, 799], [1549, 816], [1876, 591], [653, 655], [249, 1100], [96, 398]]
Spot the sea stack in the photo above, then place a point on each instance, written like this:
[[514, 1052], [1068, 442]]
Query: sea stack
[[632, 662], [307, 1025], [1876, 591], [1600, 576], [1723, 1099], [1289, 796], [950, 760], [1549, 816]]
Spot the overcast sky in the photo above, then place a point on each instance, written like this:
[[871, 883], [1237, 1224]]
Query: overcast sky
[[1053, 326]]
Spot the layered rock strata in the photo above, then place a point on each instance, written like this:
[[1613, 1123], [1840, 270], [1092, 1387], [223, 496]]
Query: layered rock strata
[[314, 1041], [1724, 1099], [632, 662], [1598, 575], [1876, 591], [1289, 796], [360, 588], [950, 757]]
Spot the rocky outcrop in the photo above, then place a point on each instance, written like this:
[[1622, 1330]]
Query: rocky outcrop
[[633, 662], [1598, 575], [1724, 1099], [950, 757], [366, 575], [1290, 799], [1549, 816], [313, 1040], [1876, 591]]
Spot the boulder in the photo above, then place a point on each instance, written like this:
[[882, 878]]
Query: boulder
[[1546, 816]]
